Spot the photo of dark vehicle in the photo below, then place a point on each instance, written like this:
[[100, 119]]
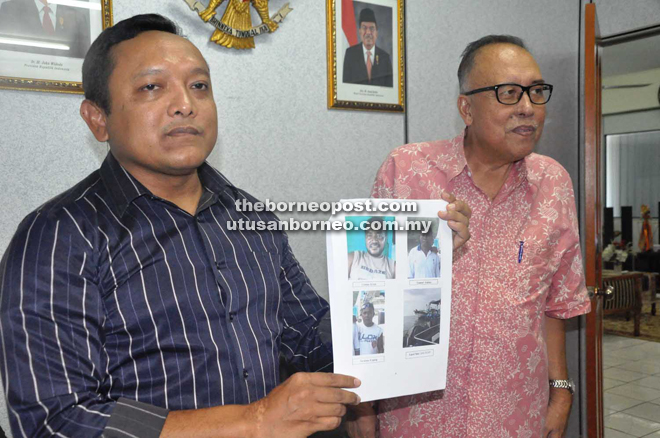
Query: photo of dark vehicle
[[426, 329]]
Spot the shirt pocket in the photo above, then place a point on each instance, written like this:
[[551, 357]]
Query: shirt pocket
[[527, 261], [250, 282]]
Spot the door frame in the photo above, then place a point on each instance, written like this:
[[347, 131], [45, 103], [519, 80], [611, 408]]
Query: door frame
[[593, 227], [593, 190]]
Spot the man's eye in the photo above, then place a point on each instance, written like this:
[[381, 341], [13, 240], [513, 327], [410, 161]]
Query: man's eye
[[150, 87], [200, 86]]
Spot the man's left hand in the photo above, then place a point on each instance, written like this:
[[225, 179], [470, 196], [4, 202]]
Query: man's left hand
[[458, 218], [558, 410], [361, 421]]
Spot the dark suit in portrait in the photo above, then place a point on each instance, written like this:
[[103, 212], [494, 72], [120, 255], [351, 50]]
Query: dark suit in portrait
[[20, 19], [355, 67]]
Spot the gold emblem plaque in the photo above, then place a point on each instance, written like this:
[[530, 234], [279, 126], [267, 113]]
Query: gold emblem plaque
[[234, 29]]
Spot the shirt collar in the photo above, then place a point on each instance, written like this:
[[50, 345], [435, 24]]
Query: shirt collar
[[454, 167], [40, 6], [365, 50], [453, 163], [517, 176], [124, 188]]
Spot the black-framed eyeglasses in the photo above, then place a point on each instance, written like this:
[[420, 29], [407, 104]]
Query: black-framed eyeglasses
[[510, 94]]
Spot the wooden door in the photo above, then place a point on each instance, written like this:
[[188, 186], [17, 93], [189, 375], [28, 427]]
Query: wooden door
[[593, 226]]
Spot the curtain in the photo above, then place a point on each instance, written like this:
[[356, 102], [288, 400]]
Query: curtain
[[632, 171]]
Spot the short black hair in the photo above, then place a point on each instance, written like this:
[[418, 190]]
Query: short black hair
[[99, 61], [377, 219], [471, 50], [367, 305]]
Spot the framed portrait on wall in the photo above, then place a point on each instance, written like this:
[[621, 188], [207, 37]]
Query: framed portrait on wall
[[366, 50], [43, 42]]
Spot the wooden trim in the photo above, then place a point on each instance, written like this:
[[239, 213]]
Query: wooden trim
[[593, 207]]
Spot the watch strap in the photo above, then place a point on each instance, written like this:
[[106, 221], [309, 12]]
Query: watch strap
[[563, 384]]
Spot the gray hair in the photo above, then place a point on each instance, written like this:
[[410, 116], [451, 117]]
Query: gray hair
[[470, 52]]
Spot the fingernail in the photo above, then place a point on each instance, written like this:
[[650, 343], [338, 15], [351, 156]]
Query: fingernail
[[451, 207], [357, 382]]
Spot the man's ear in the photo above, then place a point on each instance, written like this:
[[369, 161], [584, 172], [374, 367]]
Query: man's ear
[[96, 119], [465, 109]]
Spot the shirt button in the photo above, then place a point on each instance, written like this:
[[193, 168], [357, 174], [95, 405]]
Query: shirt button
[[245, 374], [232, 315]]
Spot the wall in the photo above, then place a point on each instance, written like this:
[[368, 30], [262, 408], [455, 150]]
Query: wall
[[619, 100], [618, 16], [278, 140], [633, 109], [631, 122]]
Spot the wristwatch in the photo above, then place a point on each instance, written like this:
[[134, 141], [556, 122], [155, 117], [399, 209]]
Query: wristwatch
[[563, 384]]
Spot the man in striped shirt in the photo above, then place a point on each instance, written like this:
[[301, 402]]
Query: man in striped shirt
[[127, 308]]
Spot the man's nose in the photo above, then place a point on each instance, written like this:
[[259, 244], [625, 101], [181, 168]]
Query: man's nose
[[182, 103], [525, 106]]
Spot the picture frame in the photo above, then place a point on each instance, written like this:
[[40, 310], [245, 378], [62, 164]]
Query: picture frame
[[361, 81], [40, 54]]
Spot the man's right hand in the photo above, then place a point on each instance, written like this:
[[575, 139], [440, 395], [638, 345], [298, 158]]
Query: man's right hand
[[304, 404]]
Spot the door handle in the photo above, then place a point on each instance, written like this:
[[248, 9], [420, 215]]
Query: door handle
[[606, 293]]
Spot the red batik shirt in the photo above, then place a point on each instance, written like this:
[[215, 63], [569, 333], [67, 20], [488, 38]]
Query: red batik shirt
[[497, 377]]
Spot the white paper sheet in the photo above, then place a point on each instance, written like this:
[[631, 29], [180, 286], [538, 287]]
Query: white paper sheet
[[411, 314]]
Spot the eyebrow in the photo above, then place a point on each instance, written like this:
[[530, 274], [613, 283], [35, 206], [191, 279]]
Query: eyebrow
[[200, 70], [539, 81], [147, 72], [155, 71]]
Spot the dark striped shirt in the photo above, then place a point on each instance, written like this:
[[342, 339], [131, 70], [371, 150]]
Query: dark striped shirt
[[111, 295]]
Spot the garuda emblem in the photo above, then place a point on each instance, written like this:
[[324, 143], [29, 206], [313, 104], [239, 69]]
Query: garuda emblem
[[234, 29]]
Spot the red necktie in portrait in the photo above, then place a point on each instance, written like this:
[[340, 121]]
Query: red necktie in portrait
[[48, 23], [369, 65]]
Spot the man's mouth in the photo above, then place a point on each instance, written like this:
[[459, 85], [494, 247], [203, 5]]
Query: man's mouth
[[525, 130], [183, 130]]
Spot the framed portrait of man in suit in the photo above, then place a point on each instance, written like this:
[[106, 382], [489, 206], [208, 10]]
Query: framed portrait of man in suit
[[366, 54], [43, 42]]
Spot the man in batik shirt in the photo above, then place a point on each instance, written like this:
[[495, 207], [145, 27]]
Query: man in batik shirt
[[521, 274]]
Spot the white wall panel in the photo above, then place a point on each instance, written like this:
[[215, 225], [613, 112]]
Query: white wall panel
[[617, 16]]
